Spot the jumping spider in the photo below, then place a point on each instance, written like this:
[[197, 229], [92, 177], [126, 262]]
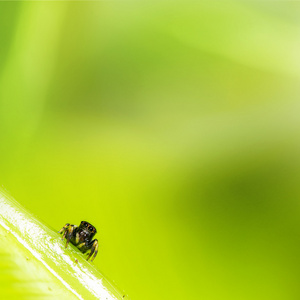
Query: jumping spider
[[81, 237]]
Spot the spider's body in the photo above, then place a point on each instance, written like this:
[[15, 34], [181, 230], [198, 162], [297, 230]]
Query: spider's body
[[82, 237]]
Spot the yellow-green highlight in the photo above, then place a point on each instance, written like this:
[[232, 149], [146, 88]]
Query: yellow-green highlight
[[172, 127]]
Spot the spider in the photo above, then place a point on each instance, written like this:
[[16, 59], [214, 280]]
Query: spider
[[81, 236]]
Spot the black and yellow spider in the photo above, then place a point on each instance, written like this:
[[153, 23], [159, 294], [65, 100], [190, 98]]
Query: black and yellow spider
[[82, 237]]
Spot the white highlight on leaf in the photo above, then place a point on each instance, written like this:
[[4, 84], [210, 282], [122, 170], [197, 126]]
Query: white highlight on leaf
[[47, 247]]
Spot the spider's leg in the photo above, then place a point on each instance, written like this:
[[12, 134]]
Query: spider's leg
[[81, 245], [77, 238], [64, 228], [69, 235], [94, 249]]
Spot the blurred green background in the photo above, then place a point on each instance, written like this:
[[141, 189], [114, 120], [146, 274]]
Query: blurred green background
[[172, 126]]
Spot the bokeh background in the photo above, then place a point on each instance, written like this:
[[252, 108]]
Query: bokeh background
[[172, 126]]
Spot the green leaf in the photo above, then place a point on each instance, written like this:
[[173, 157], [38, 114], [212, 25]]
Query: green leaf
[[34, 261]]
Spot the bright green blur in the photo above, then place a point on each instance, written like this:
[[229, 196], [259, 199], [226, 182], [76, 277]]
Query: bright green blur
[[173, 127]]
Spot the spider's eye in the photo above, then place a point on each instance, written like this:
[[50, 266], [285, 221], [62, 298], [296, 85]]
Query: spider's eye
[[85, 224], [91, 228]]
